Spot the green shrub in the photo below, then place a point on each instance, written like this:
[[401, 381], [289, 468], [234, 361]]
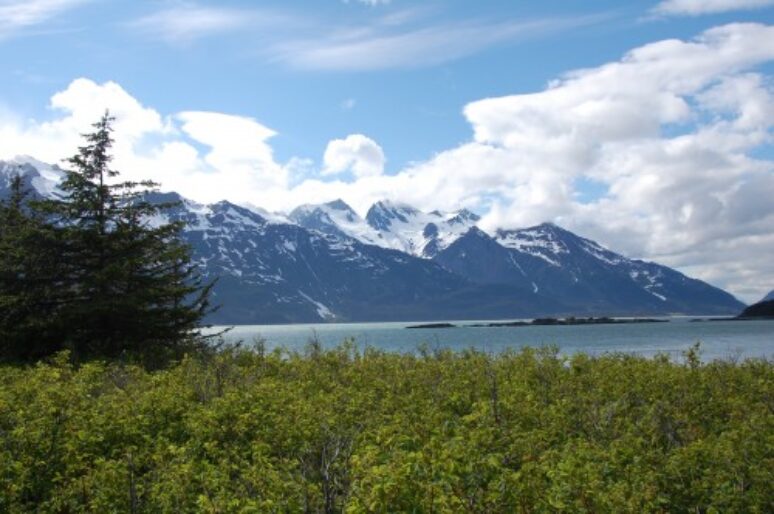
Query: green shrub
[[351, 431]]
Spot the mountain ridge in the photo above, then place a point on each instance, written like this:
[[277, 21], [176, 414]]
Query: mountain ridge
[[323, 262]]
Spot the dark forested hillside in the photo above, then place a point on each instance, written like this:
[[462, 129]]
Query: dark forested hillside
[[763, 309]]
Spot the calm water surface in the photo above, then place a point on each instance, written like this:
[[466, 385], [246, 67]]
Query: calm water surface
[[719, 339]]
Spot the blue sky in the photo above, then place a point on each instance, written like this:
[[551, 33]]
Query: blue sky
[[278, 103]]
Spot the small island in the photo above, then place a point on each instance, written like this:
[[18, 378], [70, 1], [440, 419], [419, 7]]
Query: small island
[[604, 320], [569, 321], [434, 325]]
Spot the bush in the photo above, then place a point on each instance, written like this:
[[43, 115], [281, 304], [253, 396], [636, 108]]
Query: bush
[[353, 431]]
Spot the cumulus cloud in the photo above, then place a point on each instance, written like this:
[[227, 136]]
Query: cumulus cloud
[[234, 140], [699, 7], [205, 156], [75, 109], [356, 153]]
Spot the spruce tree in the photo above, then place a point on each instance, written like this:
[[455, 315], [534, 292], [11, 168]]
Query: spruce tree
[[30, 292], [126, 279]]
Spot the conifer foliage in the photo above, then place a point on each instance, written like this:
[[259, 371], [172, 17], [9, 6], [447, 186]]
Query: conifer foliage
[[28, 287], [94, 270]]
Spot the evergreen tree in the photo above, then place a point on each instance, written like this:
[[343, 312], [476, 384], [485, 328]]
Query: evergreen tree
[[28, 286], [122, 280]]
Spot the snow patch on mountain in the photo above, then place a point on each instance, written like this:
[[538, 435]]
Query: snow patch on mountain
[[402, 227], [275, 218], [650, 281], [335, 218], [600, 252], [542, 242], [323, 311], [44, 178]]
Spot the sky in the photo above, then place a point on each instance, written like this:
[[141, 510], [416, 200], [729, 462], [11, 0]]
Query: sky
[[645, 125]]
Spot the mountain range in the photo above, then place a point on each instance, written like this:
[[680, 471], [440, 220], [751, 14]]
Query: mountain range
[[325, 262]]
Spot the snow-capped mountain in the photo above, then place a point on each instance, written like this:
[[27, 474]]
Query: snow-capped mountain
[[389, 225], [38, 177], [337, 219], [324, 262], [584, 274], [768, 297], [405, 228], [270, 272]]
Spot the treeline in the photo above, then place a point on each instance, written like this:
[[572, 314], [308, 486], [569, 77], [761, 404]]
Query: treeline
[[95, 269], [367, 431]]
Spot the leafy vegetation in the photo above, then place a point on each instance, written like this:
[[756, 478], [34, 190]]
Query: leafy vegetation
[[95, 270], [367, 431]]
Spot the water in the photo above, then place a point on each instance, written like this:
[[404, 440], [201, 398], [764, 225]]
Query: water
[[719, 339]]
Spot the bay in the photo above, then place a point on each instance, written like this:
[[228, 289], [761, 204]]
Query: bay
[[720, 339]]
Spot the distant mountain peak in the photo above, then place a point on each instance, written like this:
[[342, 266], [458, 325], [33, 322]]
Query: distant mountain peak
[[474, 231], [392, 210], [340, 205], [334, 218], [237, 214], [465, 216], [419, 233], [43, 178], [550, 227], [384, 213]]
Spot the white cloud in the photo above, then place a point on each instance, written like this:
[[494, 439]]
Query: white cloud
[[398, 39], [356, 153], [372, 3], [386, 45], [699, 7], [19, 14], [204, 156], [74, 110], [233, 139], [188, 22], [348, 104], [239, 158]]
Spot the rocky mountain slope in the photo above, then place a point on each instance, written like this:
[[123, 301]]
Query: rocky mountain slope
[[586, 276]]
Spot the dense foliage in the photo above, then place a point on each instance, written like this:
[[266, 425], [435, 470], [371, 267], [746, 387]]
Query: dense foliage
[[95, 269], [367, 431]]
